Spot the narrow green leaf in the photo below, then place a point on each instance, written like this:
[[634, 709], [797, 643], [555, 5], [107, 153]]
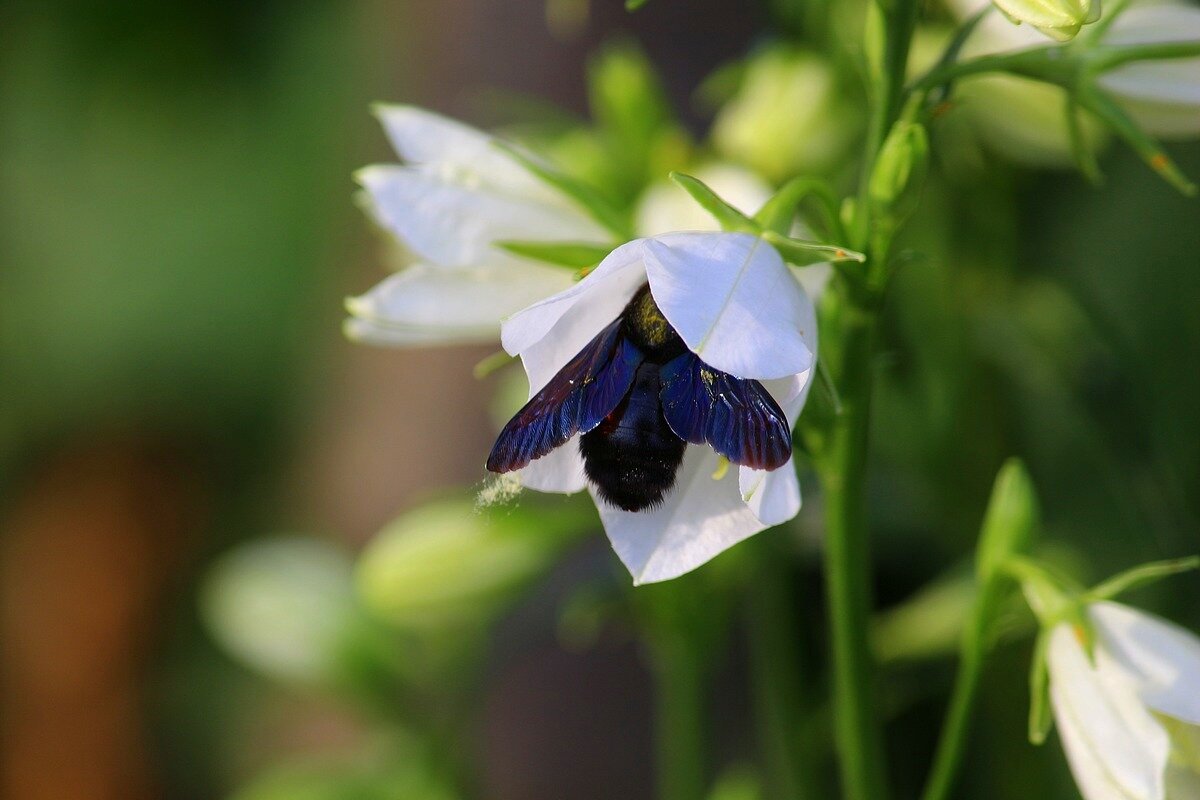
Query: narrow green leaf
[[729, 218], [1150, 151], [1040, 718], [1141, 576], [575, 255], [588, 198], [778, 213], [802, 253]]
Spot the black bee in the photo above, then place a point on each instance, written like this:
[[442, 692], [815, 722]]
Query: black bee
[[638, 396]]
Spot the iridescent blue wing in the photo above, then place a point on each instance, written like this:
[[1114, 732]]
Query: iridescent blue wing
[[575, 400], [737, 417]]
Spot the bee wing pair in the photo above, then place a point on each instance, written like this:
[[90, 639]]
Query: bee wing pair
[[737, 417]]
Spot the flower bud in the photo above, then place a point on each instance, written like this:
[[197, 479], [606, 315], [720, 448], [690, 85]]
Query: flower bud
[[1058, 19], [899, 172], [448, 564], [282, 606], [786, 117]]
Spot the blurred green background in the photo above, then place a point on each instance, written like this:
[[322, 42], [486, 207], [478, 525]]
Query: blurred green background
[[177, 231]]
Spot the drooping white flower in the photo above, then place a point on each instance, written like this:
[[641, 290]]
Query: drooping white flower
[[1129, 719], [457, 194], [735, 305], [1163, 96]]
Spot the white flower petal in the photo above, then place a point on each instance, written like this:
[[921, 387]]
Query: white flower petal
[[560, 470], [548, 334], [733, 301], [700, 518], [449, 147], [438, 300], [1162, 658], [365, 331], [774, 496], [1115, 747], [450, 224]]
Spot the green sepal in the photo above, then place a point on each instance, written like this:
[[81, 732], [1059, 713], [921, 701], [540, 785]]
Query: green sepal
[[801, 252], [1010, 521], [489, 364], [1050, 596], [575, 255], [1040, 717], [1150, 151], [595, 204], [778, 213], [1085, 156], [728, 217], [1142, 575]]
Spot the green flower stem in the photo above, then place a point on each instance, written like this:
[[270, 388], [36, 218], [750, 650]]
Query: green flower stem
[[778, 678], [955, 728], [847, 563], [679, 688], [1110, 57], [857, 729], [1034, 62]]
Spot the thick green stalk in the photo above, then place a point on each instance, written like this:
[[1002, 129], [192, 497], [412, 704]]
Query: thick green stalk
[[679, 689], [847, 563]]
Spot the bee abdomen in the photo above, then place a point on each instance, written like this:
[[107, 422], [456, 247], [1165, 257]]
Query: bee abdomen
[[633, 455]]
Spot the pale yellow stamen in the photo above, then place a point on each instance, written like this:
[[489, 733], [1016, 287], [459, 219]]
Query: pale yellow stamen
[[722, 469]]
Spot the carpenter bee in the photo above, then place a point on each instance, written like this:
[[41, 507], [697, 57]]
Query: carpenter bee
[[638, 396]]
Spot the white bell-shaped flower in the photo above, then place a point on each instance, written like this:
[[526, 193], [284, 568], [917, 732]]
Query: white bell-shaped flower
[[457, 194], [734, 304], [1163, 96], [1129, 719]]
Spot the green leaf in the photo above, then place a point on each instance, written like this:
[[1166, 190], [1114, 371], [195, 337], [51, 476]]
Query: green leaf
[[778, 213], [729, 218], [1010, 521], [575, 255], [1150, 151], [1141, 576], [802, 252], [588, 198], [634, 5], [1040, 718]]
